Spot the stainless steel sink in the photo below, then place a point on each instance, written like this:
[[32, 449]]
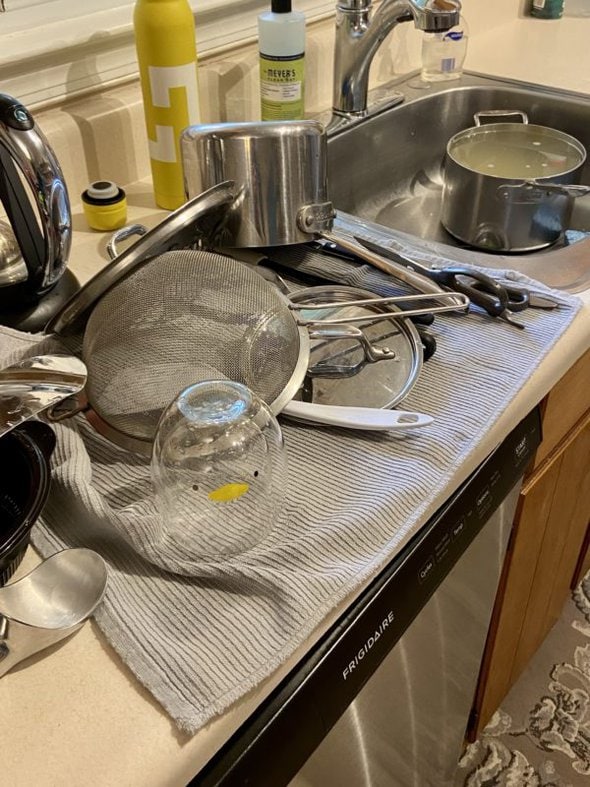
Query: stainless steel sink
[[388, 168]]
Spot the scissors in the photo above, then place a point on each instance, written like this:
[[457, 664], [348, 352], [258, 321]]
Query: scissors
[[498, 300]]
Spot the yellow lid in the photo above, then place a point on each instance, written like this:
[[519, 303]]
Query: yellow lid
[[105, 206]]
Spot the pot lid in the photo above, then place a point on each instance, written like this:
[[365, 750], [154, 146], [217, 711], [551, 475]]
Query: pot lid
[[201, 216], [383, 384]]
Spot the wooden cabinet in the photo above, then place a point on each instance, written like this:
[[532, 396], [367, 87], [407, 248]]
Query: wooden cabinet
[[549, 546]]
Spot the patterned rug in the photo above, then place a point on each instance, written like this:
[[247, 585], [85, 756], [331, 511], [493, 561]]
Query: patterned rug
[[540, 736]]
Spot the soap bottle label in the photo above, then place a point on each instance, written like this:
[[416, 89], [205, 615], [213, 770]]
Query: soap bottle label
[[281, 87], [167, 85]]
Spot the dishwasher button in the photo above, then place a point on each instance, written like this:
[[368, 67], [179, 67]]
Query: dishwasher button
[[458, 529], [424, 572]]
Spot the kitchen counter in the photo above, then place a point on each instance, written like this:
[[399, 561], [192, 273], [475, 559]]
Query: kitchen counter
[[82, 694], [77, 714]]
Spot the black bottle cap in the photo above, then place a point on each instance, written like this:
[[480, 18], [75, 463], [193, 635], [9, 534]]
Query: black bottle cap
[[280, 6]]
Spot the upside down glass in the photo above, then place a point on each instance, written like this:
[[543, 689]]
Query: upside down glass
[[219, 471]]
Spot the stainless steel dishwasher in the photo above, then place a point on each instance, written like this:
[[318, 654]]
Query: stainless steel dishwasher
[[384, 698]]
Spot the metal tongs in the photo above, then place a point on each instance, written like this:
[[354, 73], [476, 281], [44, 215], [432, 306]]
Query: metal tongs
[[459, 302]]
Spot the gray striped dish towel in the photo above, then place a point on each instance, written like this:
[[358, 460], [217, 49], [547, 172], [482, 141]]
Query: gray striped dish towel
[[200, 642]]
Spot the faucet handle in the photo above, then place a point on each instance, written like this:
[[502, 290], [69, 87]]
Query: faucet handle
[[433, 16]]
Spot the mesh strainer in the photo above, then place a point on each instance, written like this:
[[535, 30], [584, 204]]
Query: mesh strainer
[[183, 317], [187, 316]]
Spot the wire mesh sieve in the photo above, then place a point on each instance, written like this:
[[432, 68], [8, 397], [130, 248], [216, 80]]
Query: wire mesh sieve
[[183, 317]]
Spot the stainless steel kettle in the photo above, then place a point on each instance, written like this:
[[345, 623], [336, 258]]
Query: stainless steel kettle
[[34, 248]]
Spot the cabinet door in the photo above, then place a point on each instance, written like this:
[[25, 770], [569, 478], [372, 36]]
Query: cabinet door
[[548, 534], [583, 566], [565, 406]]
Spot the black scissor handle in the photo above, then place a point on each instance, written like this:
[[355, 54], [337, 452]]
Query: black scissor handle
[[481, 289], [518, 300]]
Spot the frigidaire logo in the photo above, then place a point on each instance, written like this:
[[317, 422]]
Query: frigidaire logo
[[366, 647]]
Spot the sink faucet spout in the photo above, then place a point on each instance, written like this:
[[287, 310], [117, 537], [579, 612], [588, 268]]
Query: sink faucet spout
[[359, 34]]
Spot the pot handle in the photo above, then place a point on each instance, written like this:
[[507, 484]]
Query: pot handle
[[123, 234], [371, 418], [499, 113], [372, 353], [531, 191]]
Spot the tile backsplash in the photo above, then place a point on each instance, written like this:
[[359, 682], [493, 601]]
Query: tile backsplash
[[102, 134]]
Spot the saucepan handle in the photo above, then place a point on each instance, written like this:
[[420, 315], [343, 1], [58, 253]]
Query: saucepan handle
[[123, 234], [366, 418], [532, 191], [496, 114]]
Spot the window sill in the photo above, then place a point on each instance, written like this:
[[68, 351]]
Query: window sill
[[48, 55]]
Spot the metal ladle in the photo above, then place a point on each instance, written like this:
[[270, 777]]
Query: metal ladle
[[36, 384], [49, 603]]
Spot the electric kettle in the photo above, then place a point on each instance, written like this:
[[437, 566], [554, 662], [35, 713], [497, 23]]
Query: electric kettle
[[34, 247]]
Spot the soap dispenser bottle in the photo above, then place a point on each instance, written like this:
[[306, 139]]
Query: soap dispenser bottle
[[167, 55], [443, 54], [281, 39]]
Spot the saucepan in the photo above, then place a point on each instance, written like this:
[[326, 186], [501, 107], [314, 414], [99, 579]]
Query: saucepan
[[510, 186], [280, 173]]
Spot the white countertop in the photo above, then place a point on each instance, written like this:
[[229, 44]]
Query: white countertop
[[76, 714]]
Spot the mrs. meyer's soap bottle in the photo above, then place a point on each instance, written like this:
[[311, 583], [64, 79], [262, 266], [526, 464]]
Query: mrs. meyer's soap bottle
[[281, 42]]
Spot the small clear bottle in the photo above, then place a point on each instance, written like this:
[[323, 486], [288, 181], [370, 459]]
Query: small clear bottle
[[443, 54]]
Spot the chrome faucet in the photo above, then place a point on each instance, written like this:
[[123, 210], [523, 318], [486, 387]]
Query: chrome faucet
[[359, 35]]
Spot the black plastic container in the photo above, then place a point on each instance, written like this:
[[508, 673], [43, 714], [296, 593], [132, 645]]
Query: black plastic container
[[25, 478]]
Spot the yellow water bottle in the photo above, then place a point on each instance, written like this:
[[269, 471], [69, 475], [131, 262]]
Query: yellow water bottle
[[167, 55]]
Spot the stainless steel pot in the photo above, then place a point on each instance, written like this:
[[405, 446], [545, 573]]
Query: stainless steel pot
[[510, 186], [280, 172], [279, 168]]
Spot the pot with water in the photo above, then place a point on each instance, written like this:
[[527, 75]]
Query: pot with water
[[510, 186]]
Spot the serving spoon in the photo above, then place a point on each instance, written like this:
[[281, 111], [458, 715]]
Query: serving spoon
[[49, 603]]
